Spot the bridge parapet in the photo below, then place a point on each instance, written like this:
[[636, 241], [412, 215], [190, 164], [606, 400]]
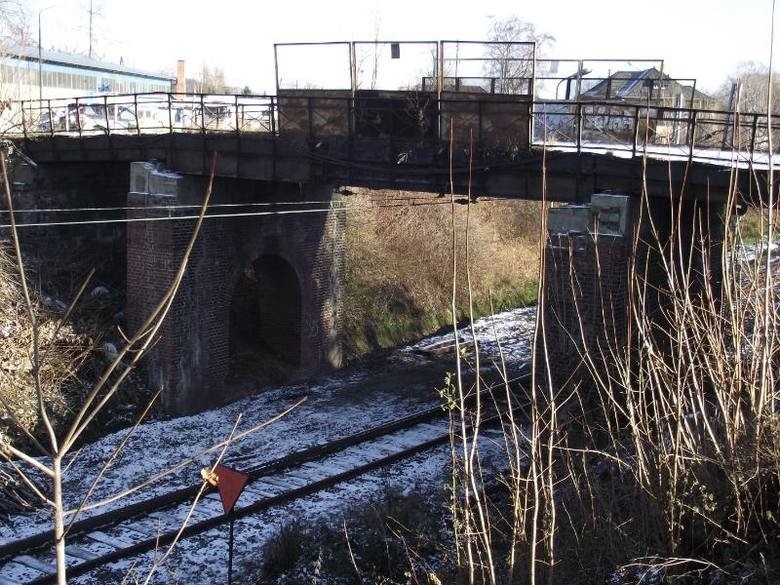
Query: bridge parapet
[[470, 142], [491, 121]]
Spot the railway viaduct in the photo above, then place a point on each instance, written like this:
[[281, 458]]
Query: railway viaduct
[[267, 266]]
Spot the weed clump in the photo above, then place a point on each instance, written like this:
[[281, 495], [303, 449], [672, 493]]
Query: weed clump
[[381, 541], [75, 353], [658, 460]]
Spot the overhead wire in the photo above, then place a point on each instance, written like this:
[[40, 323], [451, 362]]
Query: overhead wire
[[157, 207], [127, 220], [17, 211], [325, 209]]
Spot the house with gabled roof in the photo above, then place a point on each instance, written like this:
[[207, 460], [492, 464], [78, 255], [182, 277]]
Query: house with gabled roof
[[648, 87], [672, 101]]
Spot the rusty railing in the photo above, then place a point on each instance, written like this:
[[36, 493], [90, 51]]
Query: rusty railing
[[501, 125]]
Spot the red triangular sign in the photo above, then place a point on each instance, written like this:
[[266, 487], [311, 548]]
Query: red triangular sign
[[231, 484]]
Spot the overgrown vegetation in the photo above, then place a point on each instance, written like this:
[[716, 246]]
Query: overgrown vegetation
[[393, 537], [76, 351], [752, 226], [662, 463], [398, 264]]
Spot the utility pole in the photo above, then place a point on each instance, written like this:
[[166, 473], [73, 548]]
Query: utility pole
[[40, 60], [40, 52], [90, 28], [94, 14]]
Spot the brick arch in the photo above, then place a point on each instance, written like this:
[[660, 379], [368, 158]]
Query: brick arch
[[190, 360], [265, 322]]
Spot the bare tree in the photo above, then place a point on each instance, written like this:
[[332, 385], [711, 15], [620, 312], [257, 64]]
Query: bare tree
[[212, 80], [746, 90], [14, 32], [56, 444], [510, 61], [14, 27]]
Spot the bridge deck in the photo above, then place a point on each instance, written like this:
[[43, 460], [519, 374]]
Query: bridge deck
[[411, 140]]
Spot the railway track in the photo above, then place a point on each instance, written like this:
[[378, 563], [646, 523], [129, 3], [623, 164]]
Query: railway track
[[154, 523]]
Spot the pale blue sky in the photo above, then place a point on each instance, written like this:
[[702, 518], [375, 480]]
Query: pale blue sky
[[696, 38]]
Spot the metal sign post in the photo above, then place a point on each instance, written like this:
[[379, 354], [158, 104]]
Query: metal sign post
[[230, 484], [230, 549]]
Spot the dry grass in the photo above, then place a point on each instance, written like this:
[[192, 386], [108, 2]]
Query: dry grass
[[662, 463], [369, 542], [73, 358], [66, 354], [398, 259]]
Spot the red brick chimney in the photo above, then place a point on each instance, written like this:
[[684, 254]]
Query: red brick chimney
[[181, 80]]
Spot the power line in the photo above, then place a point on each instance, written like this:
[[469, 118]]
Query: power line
[[194, 206], [158, 207], [165, 218], [386, 203], [330, 208]]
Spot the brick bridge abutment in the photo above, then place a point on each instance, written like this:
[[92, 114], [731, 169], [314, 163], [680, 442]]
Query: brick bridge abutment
[[613, 261], [261, 298]]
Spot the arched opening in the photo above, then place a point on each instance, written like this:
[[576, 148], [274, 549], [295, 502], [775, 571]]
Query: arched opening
[[265, 324]]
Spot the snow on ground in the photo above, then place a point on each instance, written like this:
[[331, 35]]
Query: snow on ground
[[669, 152], [203, 558], [356, 398], [507, 334], [758, 250]]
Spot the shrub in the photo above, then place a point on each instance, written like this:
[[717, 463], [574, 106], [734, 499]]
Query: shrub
[[366, 543]]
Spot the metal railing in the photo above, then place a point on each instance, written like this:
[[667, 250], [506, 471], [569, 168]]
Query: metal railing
[[700, 133], [508, 124], [147, 113]]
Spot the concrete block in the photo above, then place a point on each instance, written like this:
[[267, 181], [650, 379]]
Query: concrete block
[[164, 183], [611, 213], [570, 218], [139, 176]]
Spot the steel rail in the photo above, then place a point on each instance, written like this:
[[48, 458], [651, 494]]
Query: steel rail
[[116, 517]]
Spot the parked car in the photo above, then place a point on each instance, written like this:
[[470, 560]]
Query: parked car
[[52, 120], [84, 118]]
